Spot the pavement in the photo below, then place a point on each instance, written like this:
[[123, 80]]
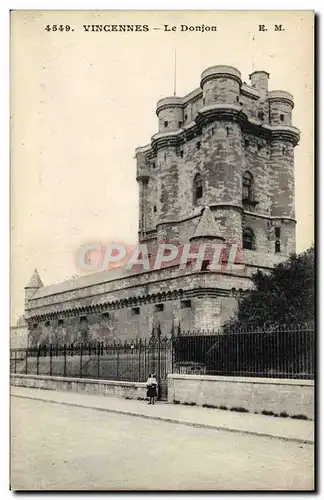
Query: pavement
[[288, 429], [64, 447]]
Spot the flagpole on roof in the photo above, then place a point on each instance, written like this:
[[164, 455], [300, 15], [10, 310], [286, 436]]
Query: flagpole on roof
[[175, 73], [253, 46]]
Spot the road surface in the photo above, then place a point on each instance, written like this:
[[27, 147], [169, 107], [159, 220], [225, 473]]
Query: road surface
[[60, 447]]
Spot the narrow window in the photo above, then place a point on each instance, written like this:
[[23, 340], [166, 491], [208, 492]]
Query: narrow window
[[154, 208], [212, 131], [153, 164], [47, 323], [105, 315], [247, 186], [135, 311], [197, 189], [282, 118], [181, 153], [261, 115], [204, 265], [277, 246], [283, 150], [166, 123], [164, 156], [180, 124], [237, 98], [248, 239], [60, 322], [184, 304], [159, 307], [277, 232], [198, 145], [203, 101], [227, 131], [246, 143], [186, 117]]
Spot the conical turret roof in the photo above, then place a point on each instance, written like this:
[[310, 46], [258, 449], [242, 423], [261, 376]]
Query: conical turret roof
[[207, 227], [34, 281]]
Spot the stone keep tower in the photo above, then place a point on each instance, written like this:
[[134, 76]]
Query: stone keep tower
[[229, 146]]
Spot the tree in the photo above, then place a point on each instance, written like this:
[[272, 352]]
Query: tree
[[283, 296]]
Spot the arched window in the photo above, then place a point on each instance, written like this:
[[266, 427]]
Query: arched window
[[247, 185], [197, 189], [277, 246], [248, 239]]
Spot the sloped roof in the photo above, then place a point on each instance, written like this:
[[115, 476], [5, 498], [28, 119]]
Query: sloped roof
[[85, 281], [34, 281], [207, 227]]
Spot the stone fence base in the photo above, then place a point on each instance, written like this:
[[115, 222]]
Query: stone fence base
[[261, 395], [132, 390]]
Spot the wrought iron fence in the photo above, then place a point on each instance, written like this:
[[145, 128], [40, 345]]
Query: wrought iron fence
[[277, 352], [129, 361]]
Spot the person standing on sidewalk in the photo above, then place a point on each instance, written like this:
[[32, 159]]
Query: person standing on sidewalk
[[151, 385]]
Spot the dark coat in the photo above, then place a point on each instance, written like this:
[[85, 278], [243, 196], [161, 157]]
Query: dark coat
[[151, 387], [151, 391]]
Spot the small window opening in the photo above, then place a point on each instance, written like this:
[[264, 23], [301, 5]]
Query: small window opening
[[35, 325], [153, 164], [204, 265], [47, 323], [166, 123], [135, 311], [282, 118], [277, 232], [154, 208], [261, 115], [185, 304], [246, 143], [60, 322], [247, 186], [248, 239], [198, 145], [277, 247], [180, 124], [83, 319], [181, 153], [105, 315], [186, 117], [197, 188], [159, 307]]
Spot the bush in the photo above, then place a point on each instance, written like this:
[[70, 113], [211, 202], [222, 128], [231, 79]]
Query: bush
[[239, 409], [299, 417]]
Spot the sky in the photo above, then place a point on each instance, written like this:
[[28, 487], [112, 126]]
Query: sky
[[81, 102]]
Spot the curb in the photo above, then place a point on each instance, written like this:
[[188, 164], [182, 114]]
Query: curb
[[172, 420]]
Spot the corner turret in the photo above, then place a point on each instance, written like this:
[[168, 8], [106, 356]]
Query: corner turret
[[207, 228], [34, 284]]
